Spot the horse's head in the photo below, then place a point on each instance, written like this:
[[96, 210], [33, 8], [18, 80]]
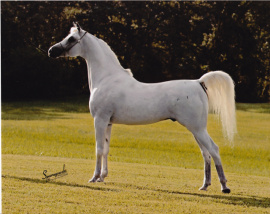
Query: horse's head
[[69, 45]]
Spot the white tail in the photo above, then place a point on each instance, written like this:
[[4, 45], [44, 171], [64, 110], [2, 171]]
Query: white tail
[[220, 90]]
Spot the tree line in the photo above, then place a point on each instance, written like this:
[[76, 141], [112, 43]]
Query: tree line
[[159, 41]]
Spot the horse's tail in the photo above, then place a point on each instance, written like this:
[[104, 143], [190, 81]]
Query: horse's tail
[[220, 90]]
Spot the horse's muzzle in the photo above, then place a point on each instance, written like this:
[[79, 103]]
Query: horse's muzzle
[[55, 51]]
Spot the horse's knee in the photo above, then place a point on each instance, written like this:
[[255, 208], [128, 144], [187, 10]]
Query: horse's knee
[[106, 150], [99, 152]]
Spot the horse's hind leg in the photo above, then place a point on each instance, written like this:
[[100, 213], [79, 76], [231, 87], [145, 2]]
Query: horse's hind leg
[[207, 166], [205, 140]]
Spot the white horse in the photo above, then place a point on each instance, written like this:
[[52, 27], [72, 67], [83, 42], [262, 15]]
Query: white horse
[[118, 98]]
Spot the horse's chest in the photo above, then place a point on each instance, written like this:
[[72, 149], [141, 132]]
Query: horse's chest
[[98, 103], [94, 106]]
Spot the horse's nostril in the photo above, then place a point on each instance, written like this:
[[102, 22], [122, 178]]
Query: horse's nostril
[[50, 50]]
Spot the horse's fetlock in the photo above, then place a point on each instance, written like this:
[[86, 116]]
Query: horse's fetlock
[[223, 181]]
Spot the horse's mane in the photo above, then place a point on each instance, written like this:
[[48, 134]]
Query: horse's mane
[[107, 49], [113, 56]]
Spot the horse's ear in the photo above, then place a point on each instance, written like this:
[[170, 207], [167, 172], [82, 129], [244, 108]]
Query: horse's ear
[[76, 24]]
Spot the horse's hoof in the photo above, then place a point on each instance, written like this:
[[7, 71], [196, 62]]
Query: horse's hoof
[[226, 190], [204, 187], [100, 180], [93, 180]]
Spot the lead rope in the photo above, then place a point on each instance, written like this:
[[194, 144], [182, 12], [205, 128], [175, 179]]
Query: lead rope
[[45, 52], [37, 48]]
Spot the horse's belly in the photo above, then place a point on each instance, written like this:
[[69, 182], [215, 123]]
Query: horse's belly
[[139, 115], [139, 120]]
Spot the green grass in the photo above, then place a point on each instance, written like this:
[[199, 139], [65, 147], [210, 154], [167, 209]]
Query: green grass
[[166, 163], [130, 188]]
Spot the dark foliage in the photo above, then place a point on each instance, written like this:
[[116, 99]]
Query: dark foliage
[[159, 41]]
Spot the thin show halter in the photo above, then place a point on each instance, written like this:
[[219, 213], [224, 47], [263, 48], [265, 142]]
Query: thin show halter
[[78, 41]]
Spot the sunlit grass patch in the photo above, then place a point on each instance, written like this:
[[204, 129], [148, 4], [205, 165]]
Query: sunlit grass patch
[[130, 188]]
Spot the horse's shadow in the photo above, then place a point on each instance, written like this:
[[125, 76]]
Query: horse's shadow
[[247, 201]]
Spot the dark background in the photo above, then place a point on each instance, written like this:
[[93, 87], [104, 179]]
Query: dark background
[[159, 41]]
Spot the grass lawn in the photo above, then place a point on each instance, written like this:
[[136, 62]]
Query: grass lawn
[[156, 168]]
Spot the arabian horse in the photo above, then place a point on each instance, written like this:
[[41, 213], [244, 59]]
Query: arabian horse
[[118, 98]]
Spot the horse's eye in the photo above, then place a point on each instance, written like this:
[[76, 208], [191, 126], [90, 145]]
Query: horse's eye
[[71, 39]]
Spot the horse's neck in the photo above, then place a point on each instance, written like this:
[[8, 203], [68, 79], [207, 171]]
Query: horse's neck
[[99, 64]]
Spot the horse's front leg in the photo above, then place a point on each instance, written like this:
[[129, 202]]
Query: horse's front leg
[[100, 128], [104, 170]]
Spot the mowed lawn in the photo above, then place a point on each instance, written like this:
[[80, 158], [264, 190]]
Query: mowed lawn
[[155, 168]]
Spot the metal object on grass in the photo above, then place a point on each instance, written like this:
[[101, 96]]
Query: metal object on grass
[[55, 175]]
